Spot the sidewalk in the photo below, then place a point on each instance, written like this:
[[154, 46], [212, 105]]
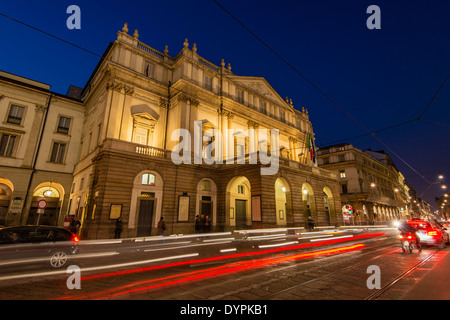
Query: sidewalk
[[435, 285]]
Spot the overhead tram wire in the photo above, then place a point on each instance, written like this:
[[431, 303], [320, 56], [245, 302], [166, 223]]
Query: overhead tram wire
[[367, 134], [419, 118], [323, 93], [435, 95], [50, 35], [70, 43]]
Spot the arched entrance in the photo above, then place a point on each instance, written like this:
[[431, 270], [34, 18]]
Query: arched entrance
[[6, 190], [309, 204], [239, 202], [206, 204], [281, 200], [146, 203], [328, 201], [51, 192]]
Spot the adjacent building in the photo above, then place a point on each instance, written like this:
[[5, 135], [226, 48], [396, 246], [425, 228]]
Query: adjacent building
[[40, 135], [371, 187]]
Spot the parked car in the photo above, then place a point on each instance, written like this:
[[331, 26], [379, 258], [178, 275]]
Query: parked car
[[31, 244], [430, 232]]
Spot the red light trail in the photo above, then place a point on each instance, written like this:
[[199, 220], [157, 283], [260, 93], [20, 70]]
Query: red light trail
[[179, 278], [231, 256]]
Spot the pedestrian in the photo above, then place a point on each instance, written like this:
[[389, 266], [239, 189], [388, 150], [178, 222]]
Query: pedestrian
[[75, 225], [207, 225], [119, 228], [198, 224], [161, 226], [310, 224]]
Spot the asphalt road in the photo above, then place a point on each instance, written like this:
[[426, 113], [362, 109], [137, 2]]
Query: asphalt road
[[328, 265]]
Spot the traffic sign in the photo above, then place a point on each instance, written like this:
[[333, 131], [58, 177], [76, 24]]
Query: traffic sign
[[42, 204]]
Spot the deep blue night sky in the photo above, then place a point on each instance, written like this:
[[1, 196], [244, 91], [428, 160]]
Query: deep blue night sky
[[380, 77]]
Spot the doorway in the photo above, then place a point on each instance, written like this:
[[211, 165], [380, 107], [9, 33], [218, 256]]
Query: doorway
[[145, 217], [241, 213]]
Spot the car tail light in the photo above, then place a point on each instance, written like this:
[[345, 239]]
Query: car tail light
[[75, 239]]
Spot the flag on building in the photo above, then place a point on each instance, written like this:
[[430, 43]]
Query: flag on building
[[311, 149]]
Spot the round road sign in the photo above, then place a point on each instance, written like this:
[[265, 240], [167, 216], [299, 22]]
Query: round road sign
[[42, 204]]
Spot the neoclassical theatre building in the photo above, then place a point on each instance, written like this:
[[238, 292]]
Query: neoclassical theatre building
[[137, 103]]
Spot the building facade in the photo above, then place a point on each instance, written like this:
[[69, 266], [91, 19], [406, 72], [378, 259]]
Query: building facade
[[39, 139], [138, 101], [372, 189], [157, 136]]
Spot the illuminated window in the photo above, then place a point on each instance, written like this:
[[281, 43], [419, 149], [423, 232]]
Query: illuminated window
[[342, 174], [141, 135], [46, 192], [148, 179]]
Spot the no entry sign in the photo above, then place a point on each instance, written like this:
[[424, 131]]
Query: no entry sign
[[42, 204]]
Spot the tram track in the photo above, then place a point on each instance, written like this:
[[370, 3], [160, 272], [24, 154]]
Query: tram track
[[283, 269], [331, 274], [391, 283]]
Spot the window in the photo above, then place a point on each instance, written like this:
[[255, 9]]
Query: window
[[206, 185], [140, 135], [263, 107], [99, 133], [240, 96], [344, 189], [7, 145], [341, 158], [282, 116], [63, 125], [241, 189], [148, 69], [148, 179], [208, 82], [58, 151], [15, 114], [342, 173]]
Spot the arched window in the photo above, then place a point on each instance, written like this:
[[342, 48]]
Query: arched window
[[148, 179], [46, 192]]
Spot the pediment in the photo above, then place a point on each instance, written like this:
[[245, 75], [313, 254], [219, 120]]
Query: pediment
[[144, 111], [263, 88]]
